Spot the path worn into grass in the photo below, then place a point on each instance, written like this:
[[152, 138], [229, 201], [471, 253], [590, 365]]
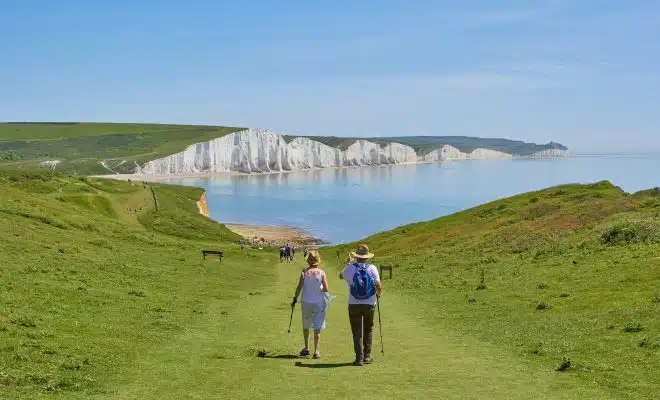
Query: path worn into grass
[[216, 358]]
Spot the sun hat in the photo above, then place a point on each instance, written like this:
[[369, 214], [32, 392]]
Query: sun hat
[[362, 251], [313, 258]]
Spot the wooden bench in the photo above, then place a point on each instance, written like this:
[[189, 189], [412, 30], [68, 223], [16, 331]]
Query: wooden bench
[[385, 268], [212, 252]]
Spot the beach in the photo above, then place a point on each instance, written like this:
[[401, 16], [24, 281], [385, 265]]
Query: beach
[[274, 236]]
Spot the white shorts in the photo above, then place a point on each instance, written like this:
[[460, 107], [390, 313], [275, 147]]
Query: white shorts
[[313, 315]]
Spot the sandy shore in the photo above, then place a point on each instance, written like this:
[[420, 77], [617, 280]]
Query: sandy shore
[[274, 235]]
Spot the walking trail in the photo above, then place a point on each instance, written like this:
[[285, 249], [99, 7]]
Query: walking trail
[[217, 357]]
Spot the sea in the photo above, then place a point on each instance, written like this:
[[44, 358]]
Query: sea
[[346, 204]]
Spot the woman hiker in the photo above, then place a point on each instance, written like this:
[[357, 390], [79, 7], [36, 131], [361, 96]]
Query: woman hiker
[[313, 284], [364, 290]]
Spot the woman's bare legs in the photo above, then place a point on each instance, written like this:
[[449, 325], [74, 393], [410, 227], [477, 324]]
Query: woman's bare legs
[[306, 335], [317, 339]]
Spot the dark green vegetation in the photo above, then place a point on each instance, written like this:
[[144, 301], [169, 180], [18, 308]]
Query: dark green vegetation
[[83, 146], [569, 272], [102, 296], [425, 144]]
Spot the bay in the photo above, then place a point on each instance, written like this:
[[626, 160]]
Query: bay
[[346, 204]]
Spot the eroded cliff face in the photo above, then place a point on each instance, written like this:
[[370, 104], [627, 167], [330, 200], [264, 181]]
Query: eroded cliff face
[[451, 153], [552, 153], [257, 150]]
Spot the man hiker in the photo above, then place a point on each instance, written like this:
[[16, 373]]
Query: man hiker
[[364, 290], [313, 284]]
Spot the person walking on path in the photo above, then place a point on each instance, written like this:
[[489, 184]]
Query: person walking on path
[[364, 290], [313, 284]]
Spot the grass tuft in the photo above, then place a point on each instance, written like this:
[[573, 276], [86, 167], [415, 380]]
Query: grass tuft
[[633, 328]]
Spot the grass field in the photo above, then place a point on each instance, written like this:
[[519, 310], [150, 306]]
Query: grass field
[[103, 297], [104, 148], [83, 146]]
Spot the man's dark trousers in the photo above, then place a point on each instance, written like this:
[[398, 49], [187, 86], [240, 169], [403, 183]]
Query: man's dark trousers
[[362, 323]]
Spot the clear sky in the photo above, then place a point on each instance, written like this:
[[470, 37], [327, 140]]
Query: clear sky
[[582, 72]]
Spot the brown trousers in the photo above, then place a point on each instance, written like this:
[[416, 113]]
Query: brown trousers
[[362, 323]]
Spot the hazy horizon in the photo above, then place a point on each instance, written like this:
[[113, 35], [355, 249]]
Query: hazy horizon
[[582, 74]]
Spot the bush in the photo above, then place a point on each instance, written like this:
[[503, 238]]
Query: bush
[[631, 232]]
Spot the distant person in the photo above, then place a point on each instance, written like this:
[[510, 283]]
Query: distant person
[[313, 284], [293, 252], [282, 254], [305, 252], [364, 289], [287, 253]]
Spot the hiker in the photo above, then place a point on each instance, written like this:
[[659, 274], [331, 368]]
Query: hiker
[[305, 252], [287, 253], [313, 284], [364, 289], [293, 252], [282, 254]]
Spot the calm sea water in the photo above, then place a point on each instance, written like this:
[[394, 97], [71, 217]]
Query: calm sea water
[[342, 205]]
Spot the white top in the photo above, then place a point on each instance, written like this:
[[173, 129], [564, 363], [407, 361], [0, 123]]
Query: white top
[[312, 290], [348, 273]]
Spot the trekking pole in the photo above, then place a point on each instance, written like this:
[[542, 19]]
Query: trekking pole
[[291, 319], [380, 327]]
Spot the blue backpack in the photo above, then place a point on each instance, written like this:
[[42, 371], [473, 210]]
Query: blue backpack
[[364, 286]]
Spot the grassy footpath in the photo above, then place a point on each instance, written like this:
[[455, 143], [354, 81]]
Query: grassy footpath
[[103, 297], [217, 358]]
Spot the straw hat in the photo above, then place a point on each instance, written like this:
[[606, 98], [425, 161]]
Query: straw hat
[[313, 258], [362, 251]]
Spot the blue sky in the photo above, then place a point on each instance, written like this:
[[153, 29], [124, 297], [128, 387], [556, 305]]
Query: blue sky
[[585, 73]]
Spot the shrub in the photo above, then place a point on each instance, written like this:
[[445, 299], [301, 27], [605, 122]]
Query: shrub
[[631, 232], [543, 306]]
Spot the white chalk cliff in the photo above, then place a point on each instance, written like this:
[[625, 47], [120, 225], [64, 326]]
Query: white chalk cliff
[[552, 153], [450, 153], [257, 150]]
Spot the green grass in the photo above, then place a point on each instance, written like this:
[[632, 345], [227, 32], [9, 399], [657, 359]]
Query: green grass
[[82, 146], [108, 299]]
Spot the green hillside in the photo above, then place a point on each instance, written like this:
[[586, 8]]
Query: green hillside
[[104, 148], [82, 146], [104, 297], [568, 272]]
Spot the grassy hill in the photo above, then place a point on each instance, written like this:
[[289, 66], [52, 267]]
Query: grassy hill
[[82, 147], [103, 297], [569, 272]]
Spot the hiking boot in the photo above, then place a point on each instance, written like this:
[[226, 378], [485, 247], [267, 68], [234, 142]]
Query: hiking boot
[[358, 363], [304, 352], [368, 360], [316, 356]]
